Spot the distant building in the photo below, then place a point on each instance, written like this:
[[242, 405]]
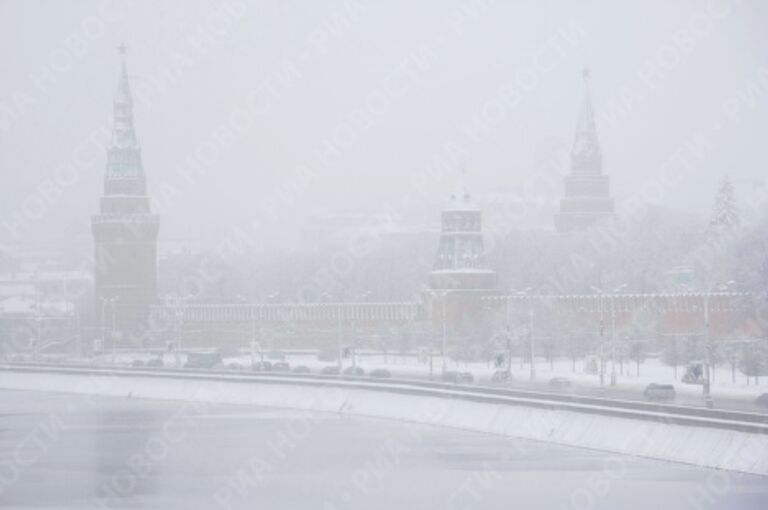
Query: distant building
[[460, 261], [125, 231], [587, 198]]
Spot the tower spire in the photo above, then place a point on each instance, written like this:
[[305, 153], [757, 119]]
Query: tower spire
[[461, 194], [123, 87], [587, 197], [124, 153], [586, 156]]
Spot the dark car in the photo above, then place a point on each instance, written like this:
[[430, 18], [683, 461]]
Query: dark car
[[137, 363], [301, 369], [458, 377], [261, 366], [155, 363], [659, 392], [560, 383], [281, 366], [762, 400], [330, 370], [380, 373], [500, 376], [354, 371], [203, 360]]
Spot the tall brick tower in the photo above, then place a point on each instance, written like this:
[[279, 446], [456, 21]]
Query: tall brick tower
[[587, 198], [125, 231]]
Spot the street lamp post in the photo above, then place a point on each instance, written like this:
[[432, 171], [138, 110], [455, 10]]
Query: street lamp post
[[509, 340], [339, 334], [707, 348], [707, 389], [531, 337], [105, 301], [530, 334], [445, 332], [114, 318], [613, 340], [612, 296], [602, 329]]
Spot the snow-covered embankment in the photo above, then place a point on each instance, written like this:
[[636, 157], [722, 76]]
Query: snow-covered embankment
[[701, 446]]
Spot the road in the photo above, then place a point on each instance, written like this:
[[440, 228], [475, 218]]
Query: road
[[59, 451]]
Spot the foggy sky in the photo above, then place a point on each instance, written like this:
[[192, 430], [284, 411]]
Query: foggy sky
[[338, 54]]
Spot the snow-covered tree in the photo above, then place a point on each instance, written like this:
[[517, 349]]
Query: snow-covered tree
[[725, 215]]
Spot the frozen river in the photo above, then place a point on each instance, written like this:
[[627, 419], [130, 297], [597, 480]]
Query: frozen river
[[59, 451]]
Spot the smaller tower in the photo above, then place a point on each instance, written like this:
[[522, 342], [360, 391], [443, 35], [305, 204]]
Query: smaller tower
[[587, 190], [460, 260]]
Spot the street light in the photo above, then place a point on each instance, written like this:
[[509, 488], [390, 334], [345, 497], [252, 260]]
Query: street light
[[707, 343], [509, 340], [443, 295], [612, 296], [531, 338], [105, 301]]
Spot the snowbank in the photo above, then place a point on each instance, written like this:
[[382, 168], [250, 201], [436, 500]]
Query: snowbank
[[706, 447]]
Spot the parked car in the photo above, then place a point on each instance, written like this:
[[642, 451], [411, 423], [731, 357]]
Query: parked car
[[500, 376], [330, 370], [235, 366], [560, 383], [380, 373], [281, 366], [203, 360], [354, 371], [137, 363], [261, 366], [458, 377], [762, 400], [155, 363], [301, 369], [659, 392]]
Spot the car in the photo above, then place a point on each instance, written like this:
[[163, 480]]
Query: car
[[330, 370], [155, 363], [301, 369], [560, 383], [137, 363], [235, 366], [658, 392], [501, 376], [354, 371], [456, 377], [762, 400], [450, 376], [465, 378], [261, 366], [281, 366], [203, 360], [380, 373]]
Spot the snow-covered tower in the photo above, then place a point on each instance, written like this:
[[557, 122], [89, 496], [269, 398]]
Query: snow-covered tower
[[587, 190], [460, 263], [125, 231]]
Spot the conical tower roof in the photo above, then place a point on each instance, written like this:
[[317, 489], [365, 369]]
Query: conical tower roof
[[586, 156]]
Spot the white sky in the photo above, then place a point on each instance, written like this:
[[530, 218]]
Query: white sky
[[344, 50]]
